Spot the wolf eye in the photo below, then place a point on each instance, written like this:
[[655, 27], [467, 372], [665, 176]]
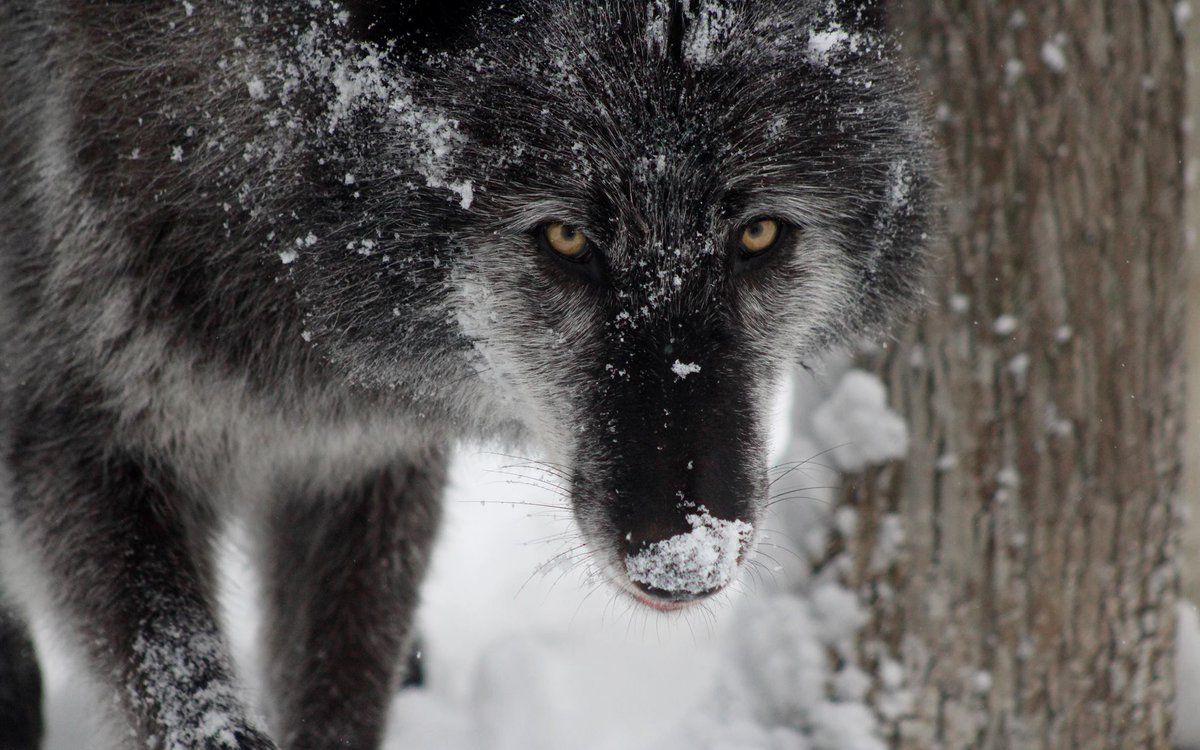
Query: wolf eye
[[565, 240], [760, 235]]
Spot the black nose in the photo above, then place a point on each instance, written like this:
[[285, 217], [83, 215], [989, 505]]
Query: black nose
[[680, 463]]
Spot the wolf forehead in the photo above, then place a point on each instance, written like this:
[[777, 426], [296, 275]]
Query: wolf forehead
[[627, 109], [657, 122]]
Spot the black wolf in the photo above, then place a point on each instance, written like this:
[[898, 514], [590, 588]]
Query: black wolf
[[270, 259]]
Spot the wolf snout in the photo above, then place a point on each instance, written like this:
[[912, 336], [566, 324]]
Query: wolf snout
[[669, 571]]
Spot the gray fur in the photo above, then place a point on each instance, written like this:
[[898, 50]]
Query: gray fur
[[269, 259]]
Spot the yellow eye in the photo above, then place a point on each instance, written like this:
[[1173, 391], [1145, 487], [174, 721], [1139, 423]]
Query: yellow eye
[[760, 235], [565, 240]]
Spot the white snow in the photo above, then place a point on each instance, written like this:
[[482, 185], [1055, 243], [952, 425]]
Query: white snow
[[1004, 325], [353, 78], [1053, 55], [256, 88], [465, 191], [703, 559], [779, 678], [826, 44], [1013, 70], [1187, 668], [1182, 14], [712, 21], [891, 541], [1019, 367], [900, 184], [856, 426], [177, 657], [683, 369]]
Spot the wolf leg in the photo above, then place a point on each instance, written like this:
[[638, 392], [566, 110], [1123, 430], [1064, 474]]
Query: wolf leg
[[341, 577], [20, 684], [124, 558]]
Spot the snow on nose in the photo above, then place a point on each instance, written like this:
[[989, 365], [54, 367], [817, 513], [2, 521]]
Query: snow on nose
[[693, 564]]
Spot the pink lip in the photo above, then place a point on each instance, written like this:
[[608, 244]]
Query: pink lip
[[661, 606]]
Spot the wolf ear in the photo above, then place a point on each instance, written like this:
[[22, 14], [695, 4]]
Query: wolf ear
[[432, 24], [863, 15]]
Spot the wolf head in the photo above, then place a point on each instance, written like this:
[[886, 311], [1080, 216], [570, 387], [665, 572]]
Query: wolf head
[[638, 214]]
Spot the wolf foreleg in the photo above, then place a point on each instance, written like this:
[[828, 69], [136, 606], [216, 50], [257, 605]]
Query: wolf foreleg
[[341, 573]]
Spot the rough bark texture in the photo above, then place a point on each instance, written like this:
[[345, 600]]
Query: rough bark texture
[[1189, 557], [1033, 602]]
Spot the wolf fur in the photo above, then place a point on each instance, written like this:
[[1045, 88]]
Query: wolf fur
[[269, 260]]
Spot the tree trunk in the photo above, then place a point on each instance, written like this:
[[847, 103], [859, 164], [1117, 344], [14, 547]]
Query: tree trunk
[[1189, 558], [1033, 601]]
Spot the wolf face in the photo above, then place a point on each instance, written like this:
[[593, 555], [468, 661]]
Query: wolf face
[[672, 204]]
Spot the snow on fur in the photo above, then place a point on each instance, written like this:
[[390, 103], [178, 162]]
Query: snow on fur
[[683, 369]]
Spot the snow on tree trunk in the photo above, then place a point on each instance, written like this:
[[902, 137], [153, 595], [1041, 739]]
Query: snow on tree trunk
[[1031, 601]]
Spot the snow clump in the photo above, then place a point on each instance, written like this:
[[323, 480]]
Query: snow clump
[[856, 425], [683, 369], [826, 46], [703, 559], [1053, 55], [1005, 325]]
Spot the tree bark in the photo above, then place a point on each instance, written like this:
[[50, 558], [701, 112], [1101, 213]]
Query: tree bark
[[1033, 601], [1189, 557]]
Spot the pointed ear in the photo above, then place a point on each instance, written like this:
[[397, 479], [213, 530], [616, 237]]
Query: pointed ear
[[433, 24], [863, 15]]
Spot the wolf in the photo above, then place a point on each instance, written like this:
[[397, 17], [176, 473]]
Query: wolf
[[270, 261]]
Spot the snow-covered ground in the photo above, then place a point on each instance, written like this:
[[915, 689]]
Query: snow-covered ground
[[1187, 666], [524, 652]]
